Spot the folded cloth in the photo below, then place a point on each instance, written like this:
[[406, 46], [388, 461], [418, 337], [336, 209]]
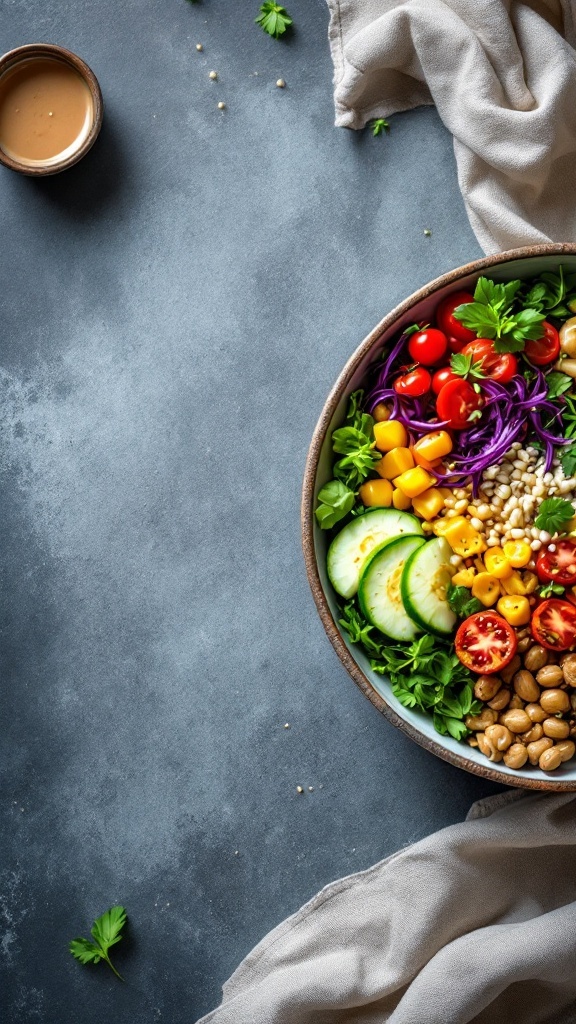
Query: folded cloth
[[502, 74], [475, 923]]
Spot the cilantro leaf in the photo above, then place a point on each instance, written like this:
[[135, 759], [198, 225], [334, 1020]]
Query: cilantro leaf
[[558, 383], [461, 601], [567, 458], [335, 501], [106, 931], [549, 589], [379, 125], [274, 19], [553, 514], [464, 366]]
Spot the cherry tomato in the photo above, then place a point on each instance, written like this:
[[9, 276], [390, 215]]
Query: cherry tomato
[[457, 402], [448, 323], [502, 366], [428, 346], [485, 642], [546, 349], [558, 566], [441, 377], [455, 344], [414, 384], [554, 624]]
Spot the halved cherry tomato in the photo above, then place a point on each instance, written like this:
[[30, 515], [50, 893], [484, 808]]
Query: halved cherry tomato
[[414, 384], [558, 566], [485, 642], [457, 402], [428, 346], [448, 323], [441, 377], [500, 366], [546, 349], [554, 624]]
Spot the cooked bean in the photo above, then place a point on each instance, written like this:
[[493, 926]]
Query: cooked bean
[[516, 702], [524, 644], [480, 722], [557, 728], [472, 741], [516, 720], [567, 749], [488, 748], [511, 669], [535, 712], [537, 748], [501, 700], [535, 733], [526, 686], [499, 736], [535, 658], [550, 675], [516, 756], [568, 666], [487, 687], [573, 701], [555, 700], [550, 759]]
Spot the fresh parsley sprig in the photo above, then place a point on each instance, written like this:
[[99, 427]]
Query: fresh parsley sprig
[[554, 514], [106, 933], [558, 383], [553, 293], [335, 501], [461, 601], [492, 315], [378, 126], [551, 589], [464, 366], [274, 19]]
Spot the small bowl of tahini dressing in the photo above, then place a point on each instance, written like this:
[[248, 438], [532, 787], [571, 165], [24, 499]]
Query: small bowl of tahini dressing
[[50, 109]]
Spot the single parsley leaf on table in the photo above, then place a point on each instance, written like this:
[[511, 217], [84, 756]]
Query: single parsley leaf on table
[[106, 931], [274, 19], [553, 514], [491, 316], [378, 125]]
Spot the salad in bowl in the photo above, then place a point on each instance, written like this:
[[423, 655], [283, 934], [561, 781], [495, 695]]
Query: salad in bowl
[[441, 509]]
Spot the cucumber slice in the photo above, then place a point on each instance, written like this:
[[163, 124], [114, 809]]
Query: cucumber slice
[[350, 549], [379, 590], [424, 584]]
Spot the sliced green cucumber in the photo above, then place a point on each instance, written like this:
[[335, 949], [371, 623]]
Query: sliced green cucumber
[[424, 584], [379, 590], [350, 549]]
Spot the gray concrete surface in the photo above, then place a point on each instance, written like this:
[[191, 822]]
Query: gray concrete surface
[[173, 314]]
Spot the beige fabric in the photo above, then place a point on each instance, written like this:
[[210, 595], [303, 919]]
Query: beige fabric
[[502, 74], [475, 923]]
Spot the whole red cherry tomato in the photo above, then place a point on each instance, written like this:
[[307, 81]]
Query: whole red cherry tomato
[[502, 366], [457, 403], [414, 384], [441, 377], [546, 349], [428, 346], [455, 344], [448, 323]]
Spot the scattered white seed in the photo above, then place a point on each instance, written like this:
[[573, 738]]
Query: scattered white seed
[[299, 789], [221, 106], [281, 83], [199, 47], [213, 75]]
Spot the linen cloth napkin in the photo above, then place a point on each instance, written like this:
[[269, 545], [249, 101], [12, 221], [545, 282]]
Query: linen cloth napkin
[[475, 923], [502, 74]]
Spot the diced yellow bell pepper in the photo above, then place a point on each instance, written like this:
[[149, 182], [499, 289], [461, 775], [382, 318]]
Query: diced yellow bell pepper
[[428, 504], [400, 500], [395, 462], [516, 610], [421, 461], [389, 435], [381, 412], [486, 588], [464, 578], [414, 481], [376, 492], [463, 538], [433, 446], [441, 525], [518, 553], [497, 564], [513, 584]]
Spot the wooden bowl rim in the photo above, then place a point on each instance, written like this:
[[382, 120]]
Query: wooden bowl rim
[[12, 57], [307, 517]]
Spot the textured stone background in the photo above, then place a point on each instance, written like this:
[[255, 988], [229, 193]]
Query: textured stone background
[[174, 312]]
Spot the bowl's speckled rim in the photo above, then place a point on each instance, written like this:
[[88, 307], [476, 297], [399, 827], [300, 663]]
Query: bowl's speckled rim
[[307, 518]]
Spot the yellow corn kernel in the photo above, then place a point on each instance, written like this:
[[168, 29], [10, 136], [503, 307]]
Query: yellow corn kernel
[[446, 492], [486, 588], [381, 412], [389, 435], [513, 584], [497, 564], [441, 525], [428, 504], [395, 462], [517, 552], [376, 492], [516, 610], [530, 581], [400, 500], [463, 538], [414, 481], [433, 446], [464, 578]]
